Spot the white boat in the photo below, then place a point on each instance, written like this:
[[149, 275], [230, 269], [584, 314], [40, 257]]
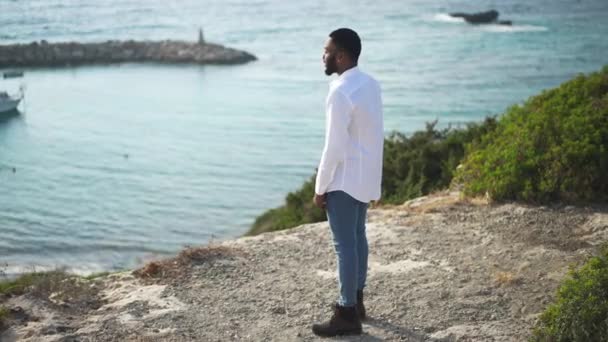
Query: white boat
[[9, 103]]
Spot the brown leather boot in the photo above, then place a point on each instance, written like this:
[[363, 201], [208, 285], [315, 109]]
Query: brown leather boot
[[345, 321], [360, 306]]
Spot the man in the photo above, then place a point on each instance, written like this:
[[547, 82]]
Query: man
[[349, 174]]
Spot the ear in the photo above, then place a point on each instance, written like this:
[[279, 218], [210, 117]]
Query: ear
[[341, 56]]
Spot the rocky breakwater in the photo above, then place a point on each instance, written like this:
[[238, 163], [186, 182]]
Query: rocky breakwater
[[45, 54]]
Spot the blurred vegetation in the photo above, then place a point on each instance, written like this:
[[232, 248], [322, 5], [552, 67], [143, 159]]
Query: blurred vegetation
[[580, 311], [552, 148]]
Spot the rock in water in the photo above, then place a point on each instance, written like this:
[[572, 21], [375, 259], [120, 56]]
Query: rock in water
[[478, 18]]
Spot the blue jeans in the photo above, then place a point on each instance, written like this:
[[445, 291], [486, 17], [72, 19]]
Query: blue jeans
[[346, 217]]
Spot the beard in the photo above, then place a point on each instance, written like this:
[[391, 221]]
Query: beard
[[330, 66]]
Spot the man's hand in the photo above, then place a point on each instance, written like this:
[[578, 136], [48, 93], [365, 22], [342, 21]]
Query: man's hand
[[319, 201]]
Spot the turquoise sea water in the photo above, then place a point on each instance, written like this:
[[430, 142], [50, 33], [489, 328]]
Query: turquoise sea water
[[117, 164]]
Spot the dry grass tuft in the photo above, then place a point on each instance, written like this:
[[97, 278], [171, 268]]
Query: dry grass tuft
[[506, 279], [179, 265], [439, 200]]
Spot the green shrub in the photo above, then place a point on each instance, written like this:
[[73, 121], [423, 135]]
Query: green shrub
[[413, 166], [298, 209], [34, 282], [424, 162], [4, 312], [552, 148], [580, 312]]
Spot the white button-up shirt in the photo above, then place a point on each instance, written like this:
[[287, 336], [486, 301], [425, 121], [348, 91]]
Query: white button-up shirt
[[354, 138]]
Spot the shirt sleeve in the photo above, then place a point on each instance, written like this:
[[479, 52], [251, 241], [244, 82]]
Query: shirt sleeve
[[338, 117]]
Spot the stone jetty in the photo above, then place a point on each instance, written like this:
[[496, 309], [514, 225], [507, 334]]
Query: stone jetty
[[45, 54]]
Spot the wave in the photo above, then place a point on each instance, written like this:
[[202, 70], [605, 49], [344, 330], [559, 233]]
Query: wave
[[513, 28], [10, 272], [446, 18]]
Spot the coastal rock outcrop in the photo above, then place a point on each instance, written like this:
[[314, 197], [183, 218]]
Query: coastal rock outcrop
[[441, 268], [488, 17]]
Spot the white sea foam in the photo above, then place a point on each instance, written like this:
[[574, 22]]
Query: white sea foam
[[446, 18], [514, 28]]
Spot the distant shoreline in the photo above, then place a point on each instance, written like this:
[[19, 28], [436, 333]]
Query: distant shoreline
[[45, 54]]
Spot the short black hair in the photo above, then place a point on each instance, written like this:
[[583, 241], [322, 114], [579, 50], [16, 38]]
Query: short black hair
[[347, 39]]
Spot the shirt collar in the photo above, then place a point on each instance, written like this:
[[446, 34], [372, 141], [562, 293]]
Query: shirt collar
[[350, 71]]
